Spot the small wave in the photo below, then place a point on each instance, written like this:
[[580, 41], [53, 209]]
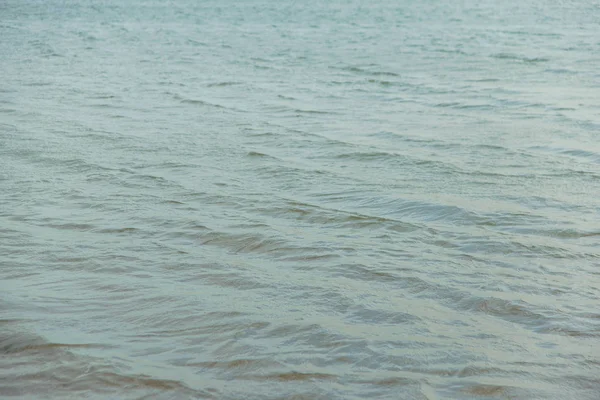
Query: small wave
[[290, 377], [257, 154], [65, 371], [575, 153], [18, 345], [589, 155], [250, 243], [366, 155], [113, 231], [223, 84], [240, 365], [196, 42], [553, 233], [485, 390], [365, 315], [515, 57], [561, 71], [484, 80], [71, 226], [364, 71], [380, 82], [201, 103], [387, 157], [462, 106], [422, 211], [103, 97], [231, 280], [321, 112], [531, 33], [38, 84], [286, 97]]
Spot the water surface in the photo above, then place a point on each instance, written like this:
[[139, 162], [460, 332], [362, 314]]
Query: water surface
[[310, 200]]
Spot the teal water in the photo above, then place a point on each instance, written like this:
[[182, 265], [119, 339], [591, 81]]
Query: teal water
[[310, 200]]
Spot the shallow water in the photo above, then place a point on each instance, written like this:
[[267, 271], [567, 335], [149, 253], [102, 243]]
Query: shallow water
[[262, 200]]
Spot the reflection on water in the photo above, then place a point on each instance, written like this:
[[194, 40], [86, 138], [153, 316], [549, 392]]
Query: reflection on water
[[321, 201]]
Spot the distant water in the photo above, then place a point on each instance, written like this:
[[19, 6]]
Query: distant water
[[258, 199]]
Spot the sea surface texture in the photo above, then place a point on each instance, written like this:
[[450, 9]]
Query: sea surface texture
[[251, 199]]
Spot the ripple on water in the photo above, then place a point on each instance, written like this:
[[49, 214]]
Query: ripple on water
[[275, 200]]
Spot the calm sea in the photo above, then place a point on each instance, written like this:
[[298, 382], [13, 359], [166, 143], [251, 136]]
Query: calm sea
[[251, 199]]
